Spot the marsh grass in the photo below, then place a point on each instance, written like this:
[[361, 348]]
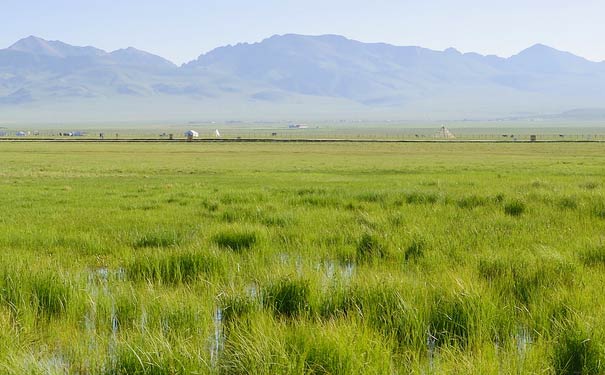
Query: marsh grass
[[237, 240], [371, 247], [598, 210], [287, 297], [372, 197], [590, 185], [568, 203], [269, 347], [382, 307], [325, 350], [50, 294], [526, 278], [593, 255], [472, 201], [235, 307], [301, 258], [514, 208], [46, 294], [416, 249], [125, 311], [452, 319], [174, 268], [577, 352], [140, 359], [158, 239], [420, 198]]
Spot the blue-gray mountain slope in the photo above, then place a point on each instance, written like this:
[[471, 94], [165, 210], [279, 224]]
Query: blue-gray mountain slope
[[295, 74]]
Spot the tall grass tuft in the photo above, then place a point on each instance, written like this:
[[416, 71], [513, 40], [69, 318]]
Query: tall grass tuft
[[372, 197], [174, 268], [593, 256], [158, 239], [46, 294], [472, 201], [514, 208], [576, 352], [568, 203], [12, 292], [524, 278], [590, 185], [235, 307], [415, 250], [125, 311], [336, 349], [50, 294], [266, 346], [598, 210], [287, 297], [421, 198], [370, 247], [236, 240], [451, 319], [131, 360], [381, 306]]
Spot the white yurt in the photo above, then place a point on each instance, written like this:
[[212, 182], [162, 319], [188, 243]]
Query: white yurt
[[192, 134], [444, 133]]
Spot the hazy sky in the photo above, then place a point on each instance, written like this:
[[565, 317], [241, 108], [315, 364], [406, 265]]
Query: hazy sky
[[182, 29]]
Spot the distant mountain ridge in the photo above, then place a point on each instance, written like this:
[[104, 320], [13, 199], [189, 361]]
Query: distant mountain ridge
[[293, 75]]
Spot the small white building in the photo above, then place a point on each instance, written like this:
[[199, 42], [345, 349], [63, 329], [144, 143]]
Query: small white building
[[444, 133], [191, 134]]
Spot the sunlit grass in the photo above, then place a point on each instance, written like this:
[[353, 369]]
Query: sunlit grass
[[302, 258]]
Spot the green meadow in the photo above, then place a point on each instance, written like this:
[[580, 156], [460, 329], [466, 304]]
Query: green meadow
[[334, 258]]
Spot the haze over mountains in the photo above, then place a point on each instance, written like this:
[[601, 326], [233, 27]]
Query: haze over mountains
[[291, 77]]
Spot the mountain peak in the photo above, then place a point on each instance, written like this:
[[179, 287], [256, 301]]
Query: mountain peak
[[133, 56], [38, 46], [35, 45], [539, 49], [452, 51], [540, 57], [30, 39]]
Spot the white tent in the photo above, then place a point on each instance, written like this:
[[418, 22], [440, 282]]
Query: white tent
[[444, 133], [217, 133], [192, 133]]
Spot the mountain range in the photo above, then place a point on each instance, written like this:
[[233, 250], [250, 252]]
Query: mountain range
[[291, 77]]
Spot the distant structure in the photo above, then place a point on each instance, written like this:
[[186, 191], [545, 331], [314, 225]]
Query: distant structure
[[444, 133], [298, 126], [217, 134], [191, 134], [21, 134]]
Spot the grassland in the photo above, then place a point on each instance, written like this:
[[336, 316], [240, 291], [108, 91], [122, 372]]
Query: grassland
[[302, 258]]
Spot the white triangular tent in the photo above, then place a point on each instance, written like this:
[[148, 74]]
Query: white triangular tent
[[217, 133], [444, 133]]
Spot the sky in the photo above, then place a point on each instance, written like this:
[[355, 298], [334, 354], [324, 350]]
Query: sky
[[181, 30]]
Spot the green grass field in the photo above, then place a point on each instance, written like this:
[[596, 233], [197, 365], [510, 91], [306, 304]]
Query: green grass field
[[302, 258]]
